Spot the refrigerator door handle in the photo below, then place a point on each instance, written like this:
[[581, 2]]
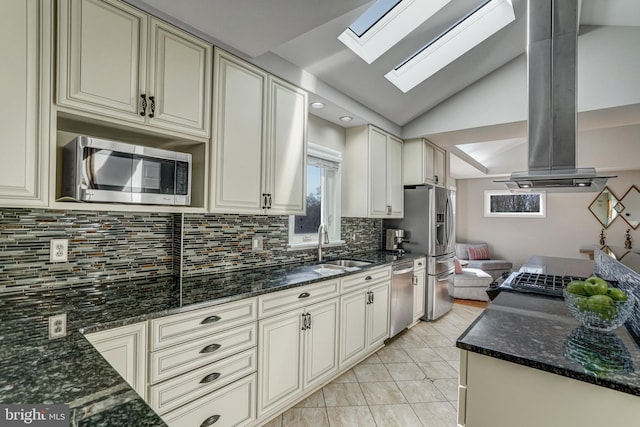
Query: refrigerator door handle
[[445, 260], [445, 275]]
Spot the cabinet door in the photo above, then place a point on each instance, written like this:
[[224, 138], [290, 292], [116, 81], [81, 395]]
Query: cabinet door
[[395, 190], [102, 57], [418, 295], [24, 132], [439, 167], [238, 134], [353, 324], [378, 315], [429, 163], [179, 80], [279, 359], [125, 349], [285, 160], [378, 172], [321, 342]]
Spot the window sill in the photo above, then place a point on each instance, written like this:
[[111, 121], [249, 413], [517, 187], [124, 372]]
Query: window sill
[[313, 245]]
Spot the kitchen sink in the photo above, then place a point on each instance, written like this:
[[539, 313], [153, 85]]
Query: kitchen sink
[[347, 263]]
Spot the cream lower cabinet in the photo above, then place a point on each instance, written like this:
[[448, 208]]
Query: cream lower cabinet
[[259, 144], [364, 322], [497, 393], [25, 88], [125, 349], [297, 350], [419, 287], [158, 75]]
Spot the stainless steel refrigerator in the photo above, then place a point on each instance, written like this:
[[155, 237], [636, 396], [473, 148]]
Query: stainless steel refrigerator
[[429, 229]]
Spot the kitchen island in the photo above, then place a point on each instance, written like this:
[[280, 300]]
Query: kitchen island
[[526, 361], [69, 370]]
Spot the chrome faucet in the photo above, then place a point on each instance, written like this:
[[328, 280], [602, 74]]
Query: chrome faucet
[[323, 237]]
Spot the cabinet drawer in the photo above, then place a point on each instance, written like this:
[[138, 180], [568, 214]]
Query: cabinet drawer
[[287, 300], [172, 361], [365, 278], [419, 264], [233, 405], [183, 389], [171, 330]]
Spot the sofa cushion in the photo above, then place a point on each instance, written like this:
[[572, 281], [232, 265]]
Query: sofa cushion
[[480, 252], [472, 277], [490, 264], [462, 249], [457, 266]]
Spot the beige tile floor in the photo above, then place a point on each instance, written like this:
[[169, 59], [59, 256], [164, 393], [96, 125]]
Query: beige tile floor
[[413, 381]]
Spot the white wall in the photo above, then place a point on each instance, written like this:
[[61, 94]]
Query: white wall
[[568, 226], [608, 64], [322, 132]]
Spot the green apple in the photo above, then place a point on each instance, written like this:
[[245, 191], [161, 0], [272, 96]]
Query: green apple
[[596, 286], [616, 294], [576, 287], [602, 305]]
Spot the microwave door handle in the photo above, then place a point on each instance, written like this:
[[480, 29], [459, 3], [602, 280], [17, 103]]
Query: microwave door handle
[[87, 171]]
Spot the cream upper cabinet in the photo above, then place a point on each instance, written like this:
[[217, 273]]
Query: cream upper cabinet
[[125, 348], [372, 174], [286, 155], [116, 61], [423, 163], [259, 142], [25, 88]]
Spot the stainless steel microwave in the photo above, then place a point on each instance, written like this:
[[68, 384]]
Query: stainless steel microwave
[[99, 170]]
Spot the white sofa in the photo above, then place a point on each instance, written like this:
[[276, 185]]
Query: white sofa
[[472, 283], [494, 267]]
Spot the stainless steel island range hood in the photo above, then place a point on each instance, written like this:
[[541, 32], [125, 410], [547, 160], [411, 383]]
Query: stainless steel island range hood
[[552, 32]]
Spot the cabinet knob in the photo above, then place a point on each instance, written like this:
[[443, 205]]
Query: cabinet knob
[[143, 104], [210, 319], [210, 377], [153, 106], [210, 348], [210, 421]]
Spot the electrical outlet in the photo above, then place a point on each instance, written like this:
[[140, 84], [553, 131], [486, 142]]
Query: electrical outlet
[[353, 237], [257, 243], [58, 326], [58, 250]]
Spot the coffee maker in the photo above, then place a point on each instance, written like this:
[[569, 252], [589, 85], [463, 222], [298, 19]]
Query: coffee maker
[[395, 237]]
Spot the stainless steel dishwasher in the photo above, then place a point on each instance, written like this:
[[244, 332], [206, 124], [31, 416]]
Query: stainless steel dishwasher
[[401, 297]]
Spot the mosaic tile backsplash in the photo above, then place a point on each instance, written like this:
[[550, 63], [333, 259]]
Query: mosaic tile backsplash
[[628, 280], [127, 245]]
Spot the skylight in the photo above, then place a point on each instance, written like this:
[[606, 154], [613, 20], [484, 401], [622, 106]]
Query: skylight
[[470, 31], [385, 23]]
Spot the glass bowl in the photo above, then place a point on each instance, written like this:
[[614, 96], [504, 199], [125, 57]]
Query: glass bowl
[[601, 317]]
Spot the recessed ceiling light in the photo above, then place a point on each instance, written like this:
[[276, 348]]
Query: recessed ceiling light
[[346, 118], [317, 105]]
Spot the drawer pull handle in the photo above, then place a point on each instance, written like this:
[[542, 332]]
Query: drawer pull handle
[[304, 295], [210, 377], [368, 278], [210, 319], [210, 348], [210, 421]]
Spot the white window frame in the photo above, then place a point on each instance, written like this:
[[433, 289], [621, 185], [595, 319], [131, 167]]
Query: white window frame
[[298, 241]]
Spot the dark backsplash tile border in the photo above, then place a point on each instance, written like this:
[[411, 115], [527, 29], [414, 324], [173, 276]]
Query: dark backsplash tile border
[[111, 246], [628, 280]]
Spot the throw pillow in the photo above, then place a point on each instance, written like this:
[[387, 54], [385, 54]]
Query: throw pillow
[[478, 252], [457, 266]]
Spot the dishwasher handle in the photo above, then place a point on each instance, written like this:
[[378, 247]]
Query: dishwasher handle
[[403, 271]]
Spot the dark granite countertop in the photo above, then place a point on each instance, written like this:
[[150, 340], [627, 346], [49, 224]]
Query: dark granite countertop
[[69, 370], [539, 332]]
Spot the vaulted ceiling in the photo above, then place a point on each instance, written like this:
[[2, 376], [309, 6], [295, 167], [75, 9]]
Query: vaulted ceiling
[[298, 40]]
